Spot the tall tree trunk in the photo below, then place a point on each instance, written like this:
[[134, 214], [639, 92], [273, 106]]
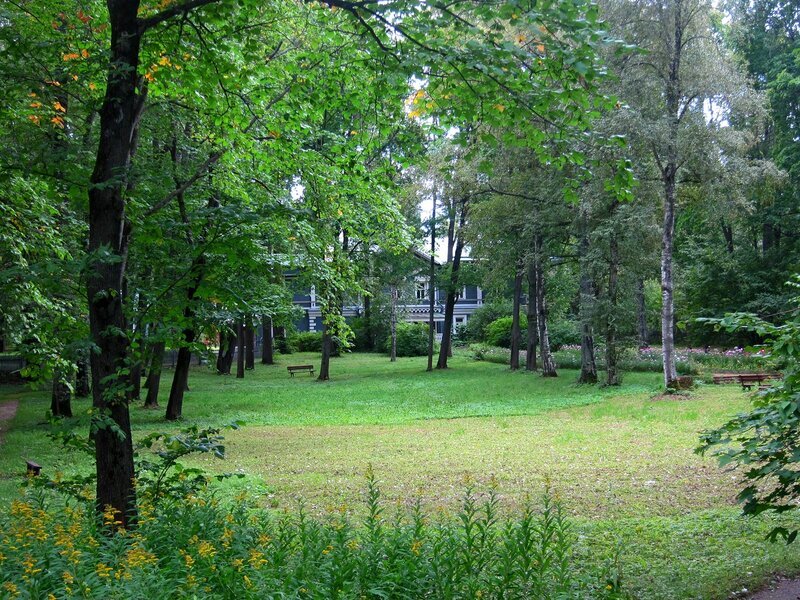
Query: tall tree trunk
[[250, 340], [221, 353], [154, 375], [588, 372], [281, 342], [230, 349], [452, 284], [613, 376], [532, 321], [240, 349], [432, 288], [669, 173], [267, 357], [641, 314], [368, 337], [180, 379], [393, 325], [82, 388], [516, 336], [61, 398], [727, 233], [108, 235], [548, 364], [325, 363]]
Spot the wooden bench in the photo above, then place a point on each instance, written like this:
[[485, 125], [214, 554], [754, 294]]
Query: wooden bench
[[300, 368], [746, 380]]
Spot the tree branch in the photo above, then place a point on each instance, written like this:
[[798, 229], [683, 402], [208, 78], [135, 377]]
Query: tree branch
[[172, 11]]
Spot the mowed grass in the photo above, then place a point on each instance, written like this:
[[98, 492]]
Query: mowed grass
[[621, 459]]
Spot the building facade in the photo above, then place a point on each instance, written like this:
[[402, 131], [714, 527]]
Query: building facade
[[413, 310]]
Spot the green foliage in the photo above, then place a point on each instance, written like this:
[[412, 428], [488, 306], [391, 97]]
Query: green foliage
[[475, 330], [498, 332], [488, 353], [763, 442], [307, 341], [203, 547], [563, 332], [412, 339]]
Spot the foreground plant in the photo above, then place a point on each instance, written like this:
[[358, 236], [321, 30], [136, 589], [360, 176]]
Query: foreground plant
[[203, 546], [765, 442]]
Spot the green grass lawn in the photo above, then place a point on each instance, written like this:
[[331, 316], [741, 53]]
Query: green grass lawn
[[621, 459]]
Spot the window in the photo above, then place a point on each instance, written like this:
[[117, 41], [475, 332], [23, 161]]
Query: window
[[422, 290]]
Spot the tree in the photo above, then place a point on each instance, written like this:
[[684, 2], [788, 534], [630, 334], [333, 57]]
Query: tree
[[666, 88]]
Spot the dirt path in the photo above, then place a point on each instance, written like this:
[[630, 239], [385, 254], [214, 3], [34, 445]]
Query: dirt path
[[7, 412], [780, 589]]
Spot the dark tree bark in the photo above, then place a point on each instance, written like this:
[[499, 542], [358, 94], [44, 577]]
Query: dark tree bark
[[432, 288], [370, 342], [226, 361], [108, 233], [240, 352], [325, 363], [61, 398], [393, 326], [267, 357], [82, 387], [516, 336], [532, 321], [250, 342], [454, 251], [136, 381], [548, 364], [641, 314], [727, 233], [154, 375], [180, 379], [280, 340]]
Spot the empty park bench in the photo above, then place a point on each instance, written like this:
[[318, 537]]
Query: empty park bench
[[746, 380], [300, 368]]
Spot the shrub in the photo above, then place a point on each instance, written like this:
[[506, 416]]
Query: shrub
[[475, 329], [203, 547], [498, 332], [307, 341], [563, 333], [412, 339]]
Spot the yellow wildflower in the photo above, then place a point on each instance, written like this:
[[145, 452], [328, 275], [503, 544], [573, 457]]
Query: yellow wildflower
[[103, 570], [205, 549]]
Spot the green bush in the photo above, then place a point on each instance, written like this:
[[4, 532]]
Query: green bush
[[412, 340], [202, 547], [307, 341], [475, 329], [498, 332], [563, 333]]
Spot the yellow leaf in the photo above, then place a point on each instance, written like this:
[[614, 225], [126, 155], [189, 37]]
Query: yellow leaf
[[59, 107], [70, 56], [57, 121], [36, 105], [34, 119], [84, 53], [500, 107]]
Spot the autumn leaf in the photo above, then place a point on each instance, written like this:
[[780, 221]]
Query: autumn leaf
[[59, 107], [34, 118], [499, 107], [57, 121], [36, 105], [84, 53], [70, 56], [83, 17]]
